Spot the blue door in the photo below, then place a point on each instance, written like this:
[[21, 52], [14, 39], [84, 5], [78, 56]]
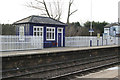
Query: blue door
[[59, 40]]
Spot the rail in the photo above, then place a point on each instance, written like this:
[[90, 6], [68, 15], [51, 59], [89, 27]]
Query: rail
[[59, 66]]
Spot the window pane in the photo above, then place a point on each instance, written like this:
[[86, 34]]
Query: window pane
[[59, 30], [21, 30], [40, 29], [37, 29], [34, 29], [47, 35], [34, 33], [47, 29], [52, 35], [50, 29], [53, 30], [37, 33], [40, 33]]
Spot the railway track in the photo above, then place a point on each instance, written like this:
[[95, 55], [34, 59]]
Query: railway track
[[58, 69], [72, 75]]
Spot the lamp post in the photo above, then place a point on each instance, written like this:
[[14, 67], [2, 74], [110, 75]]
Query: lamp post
[[119, 13], [91, 30], [91, 21]]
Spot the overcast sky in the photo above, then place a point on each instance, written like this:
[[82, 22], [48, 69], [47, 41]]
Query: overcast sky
[[103, 10]]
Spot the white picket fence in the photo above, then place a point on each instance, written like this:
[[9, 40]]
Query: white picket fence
[[10, 43], [85, 41]]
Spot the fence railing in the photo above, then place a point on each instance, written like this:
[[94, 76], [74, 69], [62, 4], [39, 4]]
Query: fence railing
[[9, 43], [80, 41]]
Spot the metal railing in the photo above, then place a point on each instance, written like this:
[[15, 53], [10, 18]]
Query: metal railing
[[9, 43], [80, 41]]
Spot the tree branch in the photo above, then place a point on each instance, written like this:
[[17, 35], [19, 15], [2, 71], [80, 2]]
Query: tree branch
[[69, 10], [35, 7], [52, 10], [39, 1], [46, 8], [73, 12]]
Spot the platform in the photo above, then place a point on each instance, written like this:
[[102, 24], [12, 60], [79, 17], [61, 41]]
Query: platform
[[107, 73], [49, 50]]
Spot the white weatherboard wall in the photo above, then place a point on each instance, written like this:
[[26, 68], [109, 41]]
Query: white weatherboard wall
[[10, 43], [84, 41]]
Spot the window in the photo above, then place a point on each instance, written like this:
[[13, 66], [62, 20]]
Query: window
[[21, 31], [38, 31], [59, 30], [50, 33]]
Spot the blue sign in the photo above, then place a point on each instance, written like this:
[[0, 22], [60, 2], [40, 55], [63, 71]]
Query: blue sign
[[91, 30]]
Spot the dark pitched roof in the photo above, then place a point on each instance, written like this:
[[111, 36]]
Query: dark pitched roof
[[40, 20], [110, 25]]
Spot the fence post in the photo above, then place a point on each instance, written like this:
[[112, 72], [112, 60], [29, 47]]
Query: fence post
[[90, 43], [102, 40], [97, 42]]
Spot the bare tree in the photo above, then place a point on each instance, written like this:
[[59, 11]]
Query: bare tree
[[53, 10], [69, 10]]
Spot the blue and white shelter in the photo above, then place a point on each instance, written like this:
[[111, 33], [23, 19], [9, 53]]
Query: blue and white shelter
[[112, 30], [51, 30]]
